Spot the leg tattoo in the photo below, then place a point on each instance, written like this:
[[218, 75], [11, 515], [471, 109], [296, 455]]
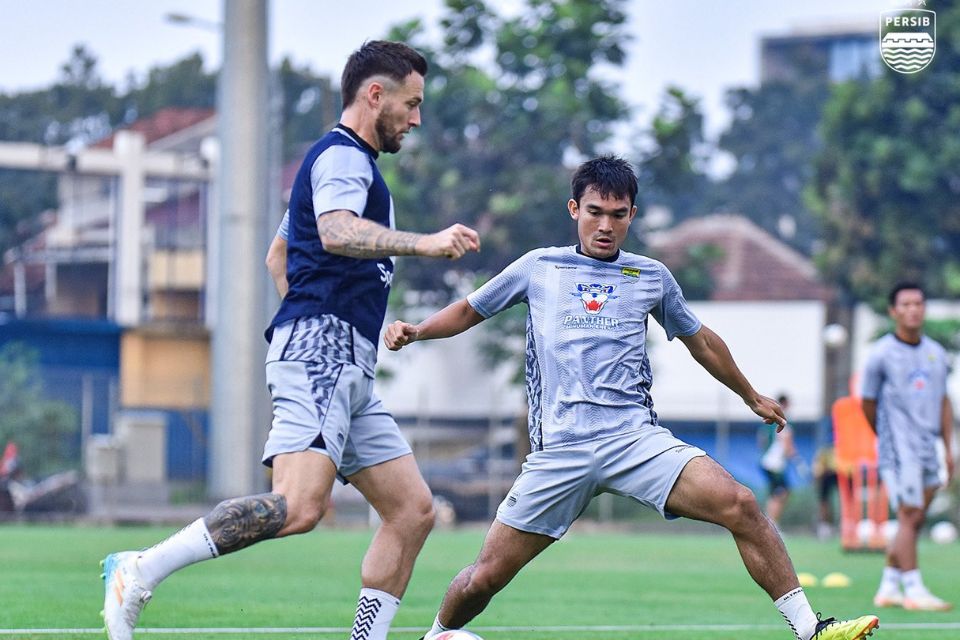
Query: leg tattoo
[[238, 523]]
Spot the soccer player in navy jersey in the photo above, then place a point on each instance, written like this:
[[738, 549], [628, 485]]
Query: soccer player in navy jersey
[[905, 401], [593, 428], [332, 262]]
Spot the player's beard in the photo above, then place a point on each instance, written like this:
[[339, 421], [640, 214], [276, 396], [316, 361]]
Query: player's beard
[[389, 142]]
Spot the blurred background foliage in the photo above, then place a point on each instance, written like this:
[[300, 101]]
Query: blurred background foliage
[[863, 175], [44, 430]]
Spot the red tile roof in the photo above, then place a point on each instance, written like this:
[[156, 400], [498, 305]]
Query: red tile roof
[[755, 266], [163, 123]]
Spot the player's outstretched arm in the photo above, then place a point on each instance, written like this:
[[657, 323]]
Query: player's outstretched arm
[[346, 234], [449, 321], [712, 353]]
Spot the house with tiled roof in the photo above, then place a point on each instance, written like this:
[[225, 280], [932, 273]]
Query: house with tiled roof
[[69, 268], [119, 268], [749, 263], [170, 129]]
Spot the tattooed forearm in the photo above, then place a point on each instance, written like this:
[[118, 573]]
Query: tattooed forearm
[[240, 522], [347, 235]]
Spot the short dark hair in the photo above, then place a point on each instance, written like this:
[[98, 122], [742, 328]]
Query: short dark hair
[[904, 286], [608, 175], [395, 60]]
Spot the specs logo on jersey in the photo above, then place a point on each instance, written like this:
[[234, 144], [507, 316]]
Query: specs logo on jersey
[[386, 277], [594, 296]]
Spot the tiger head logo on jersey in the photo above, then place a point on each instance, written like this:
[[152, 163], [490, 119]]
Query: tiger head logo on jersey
[[594, 296]]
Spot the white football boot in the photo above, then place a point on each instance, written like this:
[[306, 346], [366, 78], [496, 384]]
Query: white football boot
[[923, 600], [888, 597], [124, 594]]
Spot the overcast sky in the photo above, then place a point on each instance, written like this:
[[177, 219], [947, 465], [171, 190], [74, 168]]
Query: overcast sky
[[703, 46]]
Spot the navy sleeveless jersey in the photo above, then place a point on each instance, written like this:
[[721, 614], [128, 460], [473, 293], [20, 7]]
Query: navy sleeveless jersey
[[339, 172]]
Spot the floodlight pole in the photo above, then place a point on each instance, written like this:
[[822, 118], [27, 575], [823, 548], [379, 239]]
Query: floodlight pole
[[240, 408]]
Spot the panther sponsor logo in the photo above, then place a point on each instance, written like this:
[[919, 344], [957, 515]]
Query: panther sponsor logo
[[594, 296], [590, 322]]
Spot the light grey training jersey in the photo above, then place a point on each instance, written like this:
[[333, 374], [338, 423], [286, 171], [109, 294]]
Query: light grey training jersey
[[908, 383], [588, 374]]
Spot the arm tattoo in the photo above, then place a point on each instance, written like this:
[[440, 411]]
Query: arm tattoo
[[355, 237], [240, 522]]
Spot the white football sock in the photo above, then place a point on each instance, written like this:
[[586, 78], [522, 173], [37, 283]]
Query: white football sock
[[890, 582], [912, 583], [435, 629], [796, 610], [375, 611], [187, 546]]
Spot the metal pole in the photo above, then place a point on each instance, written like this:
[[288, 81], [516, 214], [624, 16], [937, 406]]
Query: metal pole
[[239, 405], [130, 148]]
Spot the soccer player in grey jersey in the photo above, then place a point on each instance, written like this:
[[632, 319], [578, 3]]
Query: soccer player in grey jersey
[[593, 428], [905, 401]]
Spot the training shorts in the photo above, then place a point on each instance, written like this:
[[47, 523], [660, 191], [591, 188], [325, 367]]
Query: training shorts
[[555, 485], [326, 405], [907, 478]]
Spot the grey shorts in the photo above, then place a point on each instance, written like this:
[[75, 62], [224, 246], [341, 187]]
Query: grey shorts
[[907, 479], [328, 407], [556, 485]]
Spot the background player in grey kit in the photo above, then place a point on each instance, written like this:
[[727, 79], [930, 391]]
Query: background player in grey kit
[[593, 428], [335, 249], [905, 401]]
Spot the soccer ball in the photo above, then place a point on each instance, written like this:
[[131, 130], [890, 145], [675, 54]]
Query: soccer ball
[[865, 531], [943, 533], [456, 634], [890, 528]]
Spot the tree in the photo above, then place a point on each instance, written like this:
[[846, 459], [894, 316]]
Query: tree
[[887, 181], [184, 83], [44, 430], [499, 137], [310, 106], [672, 173], [695, 270], [773, 139], [78, 108]]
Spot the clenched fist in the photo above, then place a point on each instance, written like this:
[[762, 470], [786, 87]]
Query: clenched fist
[[399, 334], [453, 242]]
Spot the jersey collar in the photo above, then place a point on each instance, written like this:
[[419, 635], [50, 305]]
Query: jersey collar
[[350, 133], [612, 258], [902, 341]]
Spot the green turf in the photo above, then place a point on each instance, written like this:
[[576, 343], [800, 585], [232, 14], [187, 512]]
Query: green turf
[[50, 579]]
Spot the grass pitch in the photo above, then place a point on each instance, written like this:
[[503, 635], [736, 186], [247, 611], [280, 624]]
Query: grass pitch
[[589, 586]]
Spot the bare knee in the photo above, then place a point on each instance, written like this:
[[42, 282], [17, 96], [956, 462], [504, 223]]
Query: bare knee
[[303, 517], [912, 516], [485, 579], [411, 518], [418, 516], [741, 511]]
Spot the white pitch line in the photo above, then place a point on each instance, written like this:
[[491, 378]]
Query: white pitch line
[[642, 628]]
